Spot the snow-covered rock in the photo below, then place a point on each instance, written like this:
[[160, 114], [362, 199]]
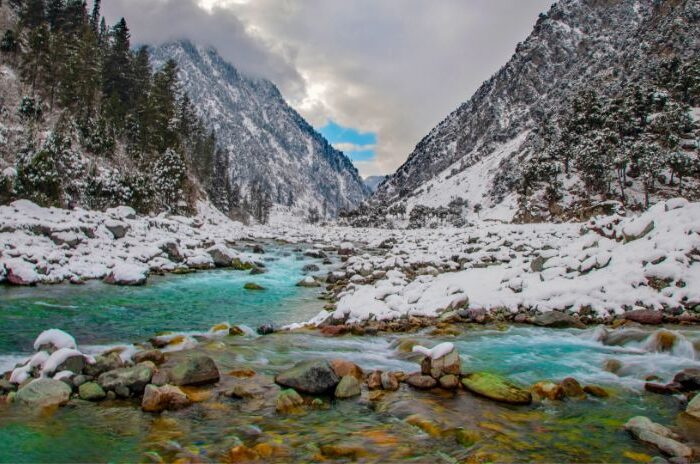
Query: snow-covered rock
[[128, 274]]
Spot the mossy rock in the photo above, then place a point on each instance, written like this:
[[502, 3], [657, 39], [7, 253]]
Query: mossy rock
[[496, 388], [239, 265], [253, 286]]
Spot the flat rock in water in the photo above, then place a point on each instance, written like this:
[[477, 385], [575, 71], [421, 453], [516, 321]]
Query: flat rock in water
[[44, 393], [197, 370], [313, 377], [643, 429], [421, 382], [496, 388], [557, 320]]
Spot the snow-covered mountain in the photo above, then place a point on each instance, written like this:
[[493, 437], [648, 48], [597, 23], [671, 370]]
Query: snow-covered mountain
[[372, 182], [267, 145], [480, 152]]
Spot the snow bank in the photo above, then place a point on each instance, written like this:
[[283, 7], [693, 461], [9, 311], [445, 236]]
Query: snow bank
[[616, 264]]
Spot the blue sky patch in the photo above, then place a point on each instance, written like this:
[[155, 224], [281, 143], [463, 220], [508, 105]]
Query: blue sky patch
[[358, 146]]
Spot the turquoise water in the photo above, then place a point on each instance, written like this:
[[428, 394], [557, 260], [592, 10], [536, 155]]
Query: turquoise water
[[96, 313]]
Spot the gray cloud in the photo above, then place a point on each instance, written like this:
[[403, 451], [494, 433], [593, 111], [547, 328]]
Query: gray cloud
[[394, 67]]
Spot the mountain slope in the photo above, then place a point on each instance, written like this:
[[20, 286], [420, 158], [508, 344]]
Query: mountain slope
[[267, 146], [483, 150]]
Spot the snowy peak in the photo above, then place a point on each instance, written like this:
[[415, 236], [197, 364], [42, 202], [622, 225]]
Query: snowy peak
[[270, 154], [482, 150]]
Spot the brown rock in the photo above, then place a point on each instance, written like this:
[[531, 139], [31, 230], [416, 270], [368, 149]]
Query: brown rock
[[343, 368], [449, 382], [374, 380], [594, 390], [334, 330], [571, 388], [389, 381], [669, 389], [167, 397], [645, 316], [548, 390], [421, 382], [612, 365], [155, 356]]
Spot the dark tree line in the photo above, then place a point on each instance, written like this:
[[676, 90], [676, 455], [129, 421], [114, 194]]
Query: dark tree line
[[147, 148]]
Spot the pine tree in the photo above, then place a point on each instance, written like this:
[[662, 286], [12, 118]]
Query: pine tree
[[117, 79], [32, 14]]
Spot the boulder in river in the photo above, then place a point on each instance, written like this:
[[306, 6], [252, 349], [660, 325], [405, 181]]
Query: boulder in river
[[557, 320], [548, 390], [643, 429], [348, 387], [571, 388], [421, 382], [440, 360], [155, 356], [196, 370], [127, 380], [449, 382], [312, 376], [308, 282], [390, 381], [253, 286], [374, 380], [689, 379], [288, 401], [91, 391], [496, 388], [103, 363], [166, 397], [44, 393], [341, 367], [693, 407]]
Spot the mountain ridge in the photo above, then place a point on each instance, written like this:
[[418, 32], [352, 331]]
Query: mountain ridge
[[265, 144]]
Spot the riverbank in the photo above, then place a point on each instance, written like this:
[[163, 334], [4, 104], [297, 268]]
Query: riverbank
[[611, 267]]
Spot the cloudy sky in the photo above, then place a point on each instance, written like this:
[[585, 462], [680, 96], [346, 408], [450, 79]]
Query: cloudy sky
[[374, 76]]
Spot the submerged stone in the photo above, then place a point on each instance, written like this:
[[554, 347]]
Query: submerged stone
[[496, 388], [348, 387], [253, 286], [288, 401], [196, 370], [91, 391]]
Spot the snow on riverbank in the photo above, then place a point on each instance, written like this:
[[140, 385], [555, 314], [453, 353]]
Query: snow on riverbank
[[603, 268], [611, 265], [51, 245]]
